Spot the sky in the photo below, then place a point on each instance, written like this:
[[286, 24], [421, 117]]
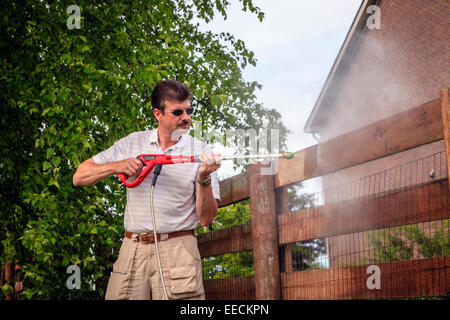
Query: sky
[[295, 47]]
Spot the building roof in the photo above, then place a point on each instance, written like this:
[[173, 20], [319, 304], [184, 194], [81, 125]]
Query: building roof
[[341, 63]]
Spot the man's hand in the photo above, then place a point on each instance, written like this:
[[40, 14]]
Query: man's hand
[[210, 163], [131, 167], [89, 173]]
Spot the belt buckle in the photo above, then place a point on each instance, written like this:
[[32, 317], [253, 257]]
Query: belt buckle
[[139, 236], [164, 236], [145, 235]]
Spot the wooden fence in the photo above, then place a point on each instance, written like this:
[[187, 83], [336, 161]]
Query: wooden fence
[[274, 229]]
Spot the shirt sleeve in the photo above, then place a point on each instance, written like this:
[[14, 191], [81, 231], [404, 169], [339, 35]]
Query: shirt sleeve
[[215, 185], [118, 151]]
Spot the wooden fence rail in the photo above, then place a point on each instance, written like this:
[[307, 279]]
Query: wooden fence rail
[[234, 239], [413, 205]]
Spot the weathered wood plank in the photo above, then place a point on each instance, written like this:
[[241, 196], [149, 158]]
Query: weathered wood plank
[[402, 279], [230, 289], [232, 239], [302, 166], [233, 189], [405, 130], [445, 111]]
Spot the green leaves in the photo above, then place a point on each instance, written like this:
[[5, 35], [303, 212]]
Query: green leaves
[[424, 240], [68, 94]]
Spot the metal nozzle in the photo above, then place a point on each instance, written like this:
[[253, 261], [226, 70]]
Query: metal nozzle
[[287, 155]]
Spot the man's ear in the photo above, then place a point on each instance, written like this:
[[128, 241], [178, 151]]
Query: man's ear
[[157, 113]]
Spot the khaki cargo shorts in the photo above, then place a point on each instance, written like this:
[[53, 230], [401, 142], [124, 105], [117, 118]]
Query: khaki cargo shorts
[[136, 275]]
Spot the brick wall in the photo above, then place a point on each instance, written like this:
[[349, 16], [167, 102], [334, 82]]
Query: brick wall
[[402, 65]]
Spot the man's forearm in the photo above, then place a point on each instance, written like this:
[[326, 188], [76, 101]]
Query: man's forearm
[[89, 173], [206, 205]]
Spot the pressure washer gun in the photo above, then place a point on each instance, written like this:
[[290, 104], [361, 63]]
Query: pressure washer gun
[[150, 160]]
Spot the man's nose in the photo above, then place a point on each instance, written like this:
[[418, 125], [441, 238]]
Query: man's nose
[[185, 116]]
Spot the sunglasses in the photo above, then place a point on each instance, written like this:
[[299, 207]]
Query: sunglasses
[[179, 112]]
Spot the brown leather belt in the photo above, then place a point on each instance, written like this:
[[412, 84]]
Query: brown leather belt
[[164, 236]]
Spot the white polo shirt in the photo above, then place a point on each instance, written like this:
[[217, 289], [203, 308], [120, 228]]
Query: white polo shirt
[[174, 193]]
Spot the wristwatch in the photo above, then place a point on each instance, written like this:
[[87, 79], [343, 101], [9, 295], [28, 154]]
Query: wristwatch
[[205, 182]]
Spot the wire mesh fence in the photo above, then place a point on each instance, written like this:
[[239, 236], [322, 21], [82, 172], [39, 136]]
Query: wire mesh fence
[[227, 260], [405, 193], [229, 265], [391, 218]]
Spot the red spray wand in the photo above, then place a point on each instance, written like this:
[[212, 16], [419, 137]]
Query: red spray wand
[[150, 160]]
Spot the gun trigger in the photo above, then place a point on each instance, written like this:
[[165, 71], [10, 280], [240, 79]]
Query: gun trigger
[[139, 158]]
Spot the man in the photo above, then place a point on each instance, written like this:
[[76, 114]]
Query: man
[[184, 195]]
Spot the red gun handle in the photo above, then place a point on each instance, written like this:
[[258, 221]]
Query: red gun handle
[[144, 173]]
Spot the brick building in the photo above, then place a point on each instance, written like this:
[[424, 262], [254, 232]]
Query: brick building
[[378, 73]]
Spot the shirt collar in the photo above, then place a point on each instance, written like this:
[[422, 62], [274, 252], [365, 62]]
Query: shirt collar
[[153, 136]]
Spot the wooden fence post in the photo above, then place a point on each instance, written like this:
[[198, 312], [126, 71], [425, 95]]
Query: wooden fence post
[[264, 234], [9, 278], [282, 202], [445, 109]]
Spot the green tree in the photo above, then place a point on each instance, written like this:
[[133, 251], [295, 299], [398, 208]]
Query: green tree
[[398, 243], [66, 94], [306, 254], [298, 199]]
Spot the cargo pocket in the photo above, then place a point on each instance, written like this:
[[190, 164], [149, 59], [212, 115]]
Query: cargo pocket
[[185, 282], [191, 247], [119, 281]]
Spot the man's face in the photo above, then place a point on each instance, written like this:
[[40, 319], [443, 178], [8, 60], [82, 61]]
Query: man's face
[[168, 121]]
